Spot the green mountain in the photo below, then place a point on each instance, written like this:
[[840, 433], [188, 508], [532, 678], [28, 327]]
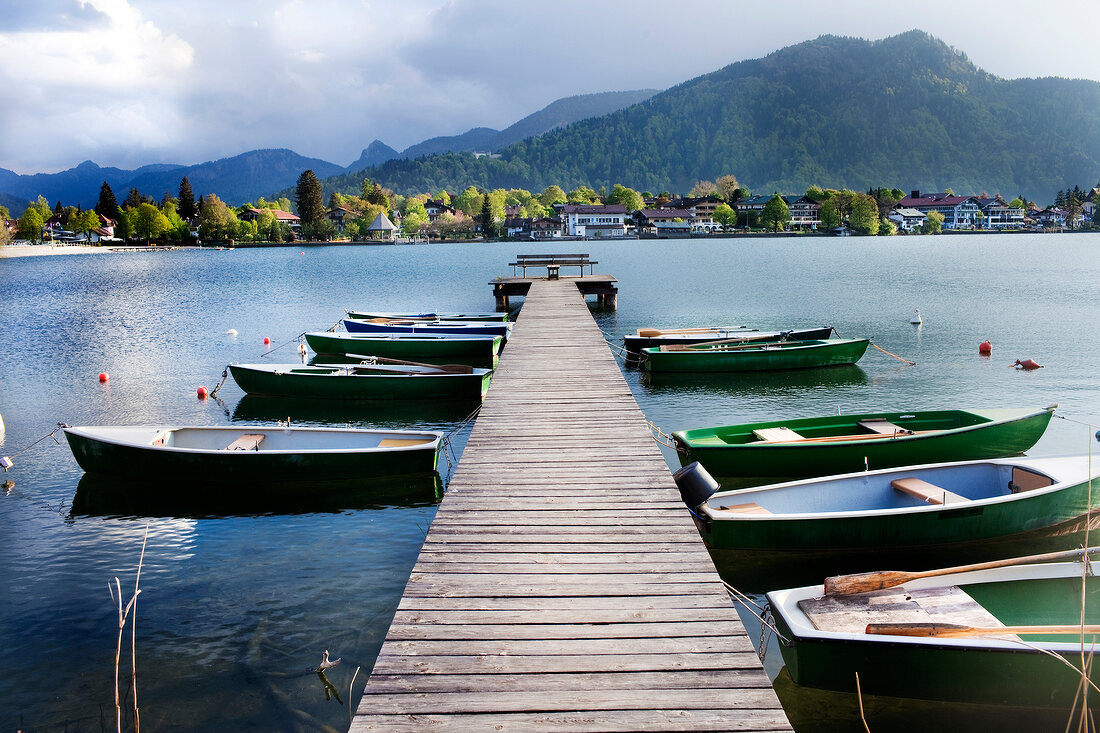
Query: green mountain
[[906, 111]]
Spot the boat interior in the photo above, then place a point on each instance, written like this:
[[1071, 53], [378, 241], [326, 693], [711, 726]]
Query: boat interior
[[837, 428], [904, 488], [265, 439]]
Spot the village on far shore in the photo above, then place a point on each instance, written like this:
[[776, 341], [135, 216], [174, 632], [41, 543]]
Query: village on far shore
[[381, 216]]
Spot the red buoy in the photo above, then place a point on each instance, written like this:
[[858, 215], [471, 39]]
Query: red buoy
[[202, 393], [985, 348], [1028, 364], [104, 377], [266, 340]]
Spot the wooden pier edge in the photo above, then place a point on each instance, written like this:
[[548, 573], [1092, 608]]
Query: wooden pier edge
[[562, 586]]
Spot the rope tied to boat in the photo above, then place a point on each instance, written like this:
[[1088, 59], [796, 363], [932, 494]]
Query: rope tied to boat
[[296, 340], [225, 375], [661, 436], [910, 363], [6, 462], [448, 437], [761, 613]]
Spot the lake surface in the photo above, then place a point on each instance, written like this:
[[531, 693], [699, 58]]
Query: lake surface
[[240, 597]]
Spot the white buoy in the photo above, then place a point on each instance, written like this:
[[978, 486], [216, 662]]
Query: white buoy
[[916, 319], [1, 426], [231, 332]]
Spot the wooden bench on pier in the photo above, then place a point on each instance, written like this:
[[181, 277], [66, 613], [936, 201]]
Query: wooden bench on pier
[[552, 263]]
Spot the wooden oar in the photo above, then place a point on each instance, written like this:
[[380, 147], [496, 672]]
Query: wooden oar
[[453, 368], [652, 332], [860, 436], [842, 585], [764, 337], [959, 630]]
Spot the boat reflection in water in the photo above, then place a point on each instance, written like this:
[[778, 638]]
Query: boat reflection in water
[[390, 414], [794, 382], [98, 495]]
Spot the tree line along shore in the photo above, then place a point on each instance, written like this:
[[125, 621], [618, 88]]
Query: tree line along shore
[[722, 205]]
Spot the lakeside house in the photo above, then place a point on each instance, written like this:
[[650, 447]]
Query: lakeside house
[[805, 212], [283, 217], [959, 212], [594, 221], [436, 209], [907, 219]]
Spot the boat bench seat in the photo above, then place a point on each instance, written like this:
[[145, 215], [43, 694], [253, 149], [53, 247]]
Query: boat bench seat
[[248, 441], [882, 426], [400, 442], [776, 435], [750, 508], [925, 491]]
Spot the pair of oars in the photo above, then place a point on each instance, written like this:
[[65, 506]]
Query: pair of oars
[[866, 582], [746, 342]]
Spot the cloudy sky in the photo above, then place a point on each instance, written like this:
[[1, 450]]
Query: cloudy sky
[[129, 82]]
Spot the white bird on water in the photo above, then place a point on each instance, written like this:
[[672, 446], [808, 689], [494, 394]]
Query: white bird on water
[[916, 319]]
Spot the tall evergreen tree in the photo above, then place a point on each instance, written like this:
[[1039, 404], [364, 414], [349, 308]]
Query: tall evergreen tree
[[311, 203], [135, 199], [187, 207], [58, 208], [107, 205], [487, 225]]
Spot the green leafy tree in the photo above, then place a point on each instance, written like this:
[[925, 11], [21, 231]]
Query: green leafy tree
[[1017, 203], [469, 201], [124, 224], [725, 216], [83, 222], [553, 194], [186, 208], [628, 197], [311, 205], [865, 215], [5, 233], [581, 195], [829, 215], [42, 206], [5, 215], [149, 223], [886, 227], [216, 220], [776, 214], [534, 209], [933, 223], [30, 225], [815, 193]]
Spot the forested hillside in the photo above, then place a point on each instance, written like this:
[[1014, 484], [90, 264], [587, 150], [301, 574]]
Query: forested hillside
[[905, 111]]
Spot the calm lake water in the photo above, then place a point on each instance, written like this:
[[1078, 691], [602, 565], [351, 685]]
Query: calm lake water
[[241, 596]]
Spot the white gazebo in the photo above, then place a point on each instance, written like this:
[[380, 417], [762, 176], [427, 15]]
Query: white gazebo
[[382, 226]]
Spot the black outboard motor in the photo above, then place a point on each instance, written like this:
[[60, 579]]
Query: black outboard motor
[[696, 485]]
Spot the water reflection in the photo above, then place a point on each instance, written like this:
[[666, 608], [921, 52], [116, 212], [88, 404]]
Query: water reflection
[[328, 413], [743, 384], [115, 496]]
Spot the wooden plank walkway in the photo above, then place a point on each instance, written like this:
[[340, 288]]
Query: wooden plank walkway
[[562, 585]]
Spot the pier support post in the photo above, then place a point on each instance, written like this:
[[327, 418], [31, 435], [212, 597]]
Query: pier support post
[[502, 298]]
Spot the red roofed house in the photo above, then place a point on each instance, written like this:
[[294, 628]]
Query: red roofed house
[[959, 212]]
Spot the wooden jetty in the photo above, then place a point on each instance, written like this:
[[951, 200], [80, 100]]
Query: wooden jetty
[[602, 286], [562, 586]]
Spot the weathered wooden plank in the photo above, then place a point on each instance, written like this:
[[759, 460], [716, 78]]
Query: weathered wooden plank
[[467, 617], [580, 722], [553, 700], [481, 663], [639, 630], [534, 682]]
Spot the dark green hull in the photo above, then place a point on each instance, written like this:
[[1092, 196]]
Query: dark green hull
[[306, 382], [248, 467], [957, 435], [476, 351], [767, 357]]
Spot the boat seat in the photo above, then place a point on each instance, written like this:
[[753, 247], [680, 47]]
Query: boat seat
[[925, 491], [750, 508], [1025, 480], [399, 442], [248, 441], [776, 435], [882, 426]]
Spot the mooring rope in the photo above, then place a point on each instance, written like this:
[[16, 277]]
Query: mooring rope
[[752, 607], [910, 363], [296, 340], [225, 374], [661, 436], [51, 434]]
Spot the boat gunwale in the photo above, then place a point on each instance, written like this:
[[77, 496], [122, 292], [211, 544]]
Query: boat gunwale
[[718, 515], [784, 605], [346, 370], [82, 431], [678, 435], [753, 347]]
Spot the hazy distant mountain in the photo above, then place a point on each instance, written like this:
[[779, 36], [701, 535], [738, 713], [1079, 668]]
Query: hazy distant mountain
[[79, 185], [907, 111], [14, 204], [235, 180], [557, 114], [375, 153]]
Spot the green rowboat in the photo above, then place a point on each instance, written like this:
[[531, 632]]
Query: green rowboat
[[365, 315], [755, 357], [475, 350], [361, 381], [818, 446], [252, 454], [832, 639]]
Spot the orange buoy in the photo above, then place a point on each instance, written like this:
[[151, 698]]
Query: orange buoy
[[202, 393], [104, 377], [985, 348], [1027, 364], [266, 340]]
